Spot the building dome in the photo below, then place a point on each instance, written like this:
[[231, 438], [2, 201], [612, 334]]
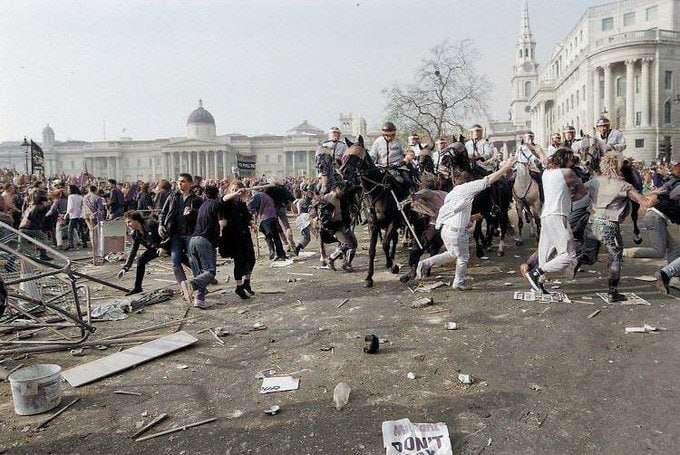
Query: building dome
[[200, 115], [48, 130]]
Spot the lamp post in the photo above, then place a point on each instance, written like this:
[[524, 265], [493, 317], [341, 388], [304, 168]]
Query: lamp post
[[27, 152]]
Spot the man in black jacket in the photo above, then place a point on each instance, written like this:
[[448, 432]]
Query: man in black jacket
[[143, 233], [177, 221]]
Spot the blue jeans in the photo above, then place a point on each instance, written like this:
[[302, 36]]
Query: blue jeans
[[203, 259], [179, 250]]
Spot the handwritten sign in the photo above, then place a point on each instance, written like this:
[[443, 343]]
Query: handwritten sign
[[401, 437]]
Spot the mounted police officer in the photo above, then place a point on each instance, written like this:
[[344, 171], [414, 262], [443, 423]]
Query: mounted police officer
[[608, 139], [328, 157], [387, 151], [335, 145], [479, 150]]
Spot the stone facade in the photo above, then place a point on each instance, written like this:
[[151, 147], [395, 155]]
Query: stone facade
[[200, 152], [621, 60]]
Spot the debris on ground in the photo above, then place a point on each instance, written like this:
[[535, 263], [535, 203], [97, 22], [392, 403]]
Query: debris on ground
[[173, 430], [535, 387], [272, 410], [465, 378], [431, 287], [451, 326], [126, 392], [593, 314], [341, 395], [372, 344], [279, 264], [56, 414], [531, 296], [149, 425], [411, 375], [421, 303], [631, 299], [644, 329], [265, 373], [119, 308], [114, 363], [279, 384], [402, 436], [342, 303]]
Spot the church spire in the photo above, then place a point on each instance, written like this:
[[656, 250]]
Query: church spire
[[525, 25], [526, 46]]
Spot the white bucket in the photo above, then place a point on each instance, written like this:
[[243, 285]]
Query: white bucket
[[36, 389]]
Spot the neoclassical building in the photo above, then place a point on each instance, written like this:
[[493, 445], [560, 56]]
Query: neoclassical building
[[200, 152], [621, 60]]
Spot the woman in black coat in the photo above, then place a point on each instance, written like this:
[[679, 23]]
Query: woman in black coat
[[236, 241]]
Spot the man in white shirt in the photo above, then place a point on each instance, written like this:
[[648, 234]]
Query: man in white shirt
[[387, 151], [555, 142], [454, 218], [556, 236], [479, 150]]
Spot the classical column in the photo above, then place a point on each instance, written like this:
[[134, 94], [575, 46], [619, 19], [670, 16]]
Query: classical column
[[185, 167], [596, 95], [153, 167], [630, 85], [215, 170], [644, 90], [608, 89], [108, 169], [166, 166], [225, 171]]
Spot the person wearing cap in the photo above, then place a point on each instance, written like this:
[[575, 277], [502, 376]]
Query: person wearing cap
[[334, 143], [555, 143], [387, 151], [479, 149], [531, 155], [569, 140], [422, 154], [608, 139]]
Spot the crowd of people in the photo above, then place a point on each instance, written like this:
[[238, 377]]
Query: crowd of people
[[588, 188]]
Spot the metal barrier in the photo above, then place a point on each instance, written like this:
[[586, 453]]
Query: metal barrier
[[39, 293]]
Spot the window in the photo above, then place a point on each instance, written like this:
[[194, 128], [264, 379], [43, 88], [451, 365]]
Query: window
[[527, 89], [629, 19], [651, 12], [668, 80], [667, 112], [637, 84], [639, 143], [620, 86], [638, 118], [607, 24]]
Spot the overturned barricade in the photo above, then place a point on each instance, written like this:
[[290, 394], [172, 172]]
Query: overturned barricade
[[43, 300]]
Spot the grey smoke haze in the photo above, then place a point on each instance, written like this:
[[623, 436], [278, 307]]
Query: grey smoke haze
[[260, 66]]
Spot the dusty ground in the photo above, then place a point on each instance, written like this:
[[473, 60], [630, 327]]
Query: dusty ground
[[547, 378]]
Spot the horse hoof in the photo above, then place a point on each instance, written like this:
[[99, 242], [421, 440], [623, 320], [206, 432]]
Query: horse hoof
[[369, 283], [518, 242], [500, 253], [406, 277], [637, 240], [394, 269]]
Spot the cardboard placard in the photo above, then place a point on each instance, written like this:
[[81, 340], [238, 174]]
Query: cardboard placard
[[401, 437]]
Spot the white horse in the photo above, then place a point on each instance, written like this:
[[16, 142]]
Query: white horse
[[527, 197]]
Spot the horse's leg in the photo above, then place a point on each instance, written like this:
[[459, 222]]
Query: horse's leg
[[634, 216], [504, 222], [386, 244], [478, 239], [393, 251], [371, 254], [520, 221]]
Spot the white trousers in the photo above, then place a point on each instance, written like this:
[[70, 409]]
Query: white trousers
[[457, 243], [556, 239]]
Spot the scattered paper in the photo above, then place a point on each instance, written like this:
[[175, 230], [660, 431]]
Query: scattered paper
[[279, 384], [644, 329], [631, 299], [431, 287], [531, 296], [465, 379], [401, 437], [277, 264]]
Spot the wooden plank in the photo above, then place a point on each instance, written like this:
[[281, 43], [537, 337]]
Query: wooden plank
[[106, 366]]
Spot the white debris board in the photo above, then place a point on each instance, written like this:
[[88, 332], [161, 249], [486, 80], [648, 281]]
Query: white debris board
[[106, 366], [401, 437], [279, 384]]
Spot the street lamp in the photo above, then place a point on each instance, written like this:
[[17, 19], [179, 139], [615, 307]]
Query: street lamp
[[28, 150]]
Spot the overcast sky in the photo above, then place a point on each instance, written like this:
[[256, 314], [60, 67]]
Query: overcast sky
[[259, 66]]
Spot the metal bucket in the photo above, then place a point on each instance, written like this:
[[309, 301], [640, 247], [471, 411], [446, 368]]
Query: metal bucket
[[36, 388]]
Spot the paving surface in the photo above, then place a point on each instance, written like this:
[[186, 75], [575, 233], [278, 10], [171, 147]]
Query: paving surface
[[547, 379]]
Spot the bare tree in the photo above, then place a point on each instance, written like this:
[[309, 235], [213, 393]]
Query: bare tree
[[446, 91]]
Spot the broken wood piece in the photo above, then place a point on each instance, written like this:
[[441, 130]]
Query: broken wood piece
[[342, 303], [115, 363], [149, 425], [56, 414], [125, 392], [176, 429], [216, 337], [593, 314], [421, 303]]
